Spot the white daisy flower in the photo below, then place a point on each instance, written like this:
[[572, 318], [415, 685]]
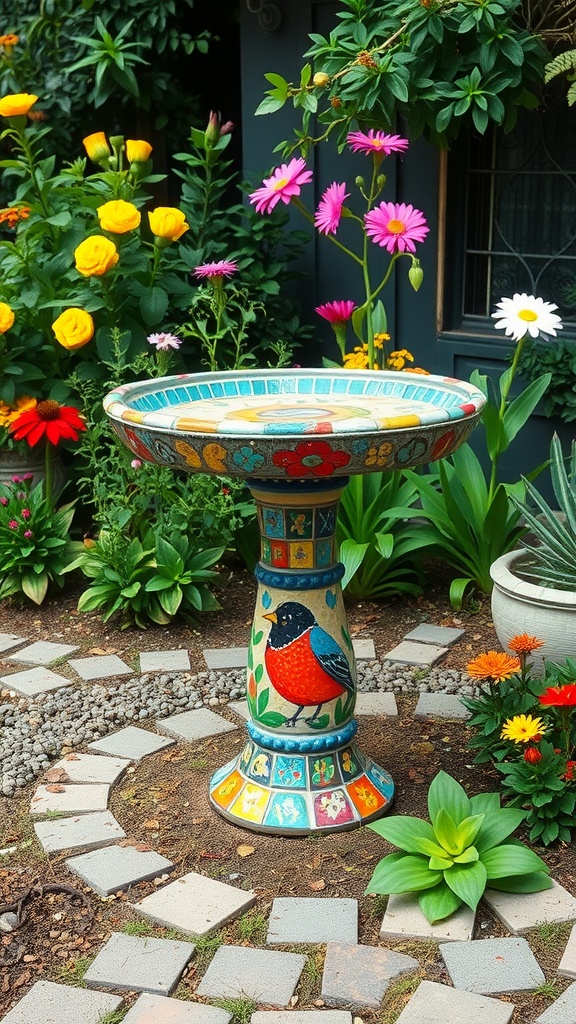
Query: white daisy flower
[[526, 314]]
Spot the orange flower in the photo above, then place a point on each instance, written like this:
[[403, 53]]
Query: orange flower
[[16, 103], [493, 665], [137, 151], [416, 369], [96, 146], [524, 644], [9, 40], [12, 214]]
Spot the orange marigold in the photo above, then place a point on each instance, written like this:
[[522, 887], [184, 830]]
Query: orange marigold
[[493, 665], [524, 644]]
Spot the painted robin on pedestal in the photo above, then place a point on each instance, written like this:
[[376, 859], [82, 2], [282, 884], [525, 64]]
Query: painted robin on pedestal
[[305, 664]]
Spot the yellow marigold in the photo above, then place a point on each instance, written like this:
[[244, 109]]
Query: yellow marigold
[[73, 328], [380, 339], [6, 317], [357, 359], [416, 369], [493, 665], [9, 40], [167, 223], [96, 146], [524, 644], [16, 103], [137, 151], [118, 217], [522, 729], [95, 256]]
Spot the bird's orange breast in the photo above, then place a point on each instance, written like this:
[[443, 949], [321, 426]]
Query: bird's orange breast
[[298, 676]]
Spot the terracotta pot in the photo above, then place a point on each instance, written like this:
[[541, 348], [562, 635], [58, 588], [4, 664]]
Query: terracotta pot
[[519, 606], [19, 461]]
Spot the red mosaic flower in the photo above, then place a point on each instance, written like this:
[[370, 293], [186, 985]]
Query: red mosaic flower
[[137, 446], [311, 458]]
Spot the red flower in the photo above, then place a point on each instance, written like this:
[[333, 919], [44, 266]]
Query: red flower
[[569, 774], [311, 458], [559, 696], [47, 420], [532, 755]]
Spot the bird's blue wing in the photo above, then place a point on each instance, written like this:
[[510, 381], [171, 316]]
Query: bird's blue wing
[[331, 657]]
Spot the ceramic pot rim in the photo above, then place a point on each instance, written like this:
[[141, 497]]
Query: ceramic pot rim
[[504, 578]]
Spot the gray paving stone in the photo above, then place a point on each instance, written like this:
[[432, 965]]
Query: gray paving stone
[[440, 705], [408, 652], [376, 704], [438, 1004], [42, 652], [133, 964], [226, 657], [492, 966], [567, 965], [404, 920], [48, 1003], [194, 725], [165, 661], [240, 707], [426, 633], [562, 1011], [364, 650], [72, 800], [86, 768], [34, 681], [301, 1017], [79, 834], [100, 667], [117, 867], [358, 976], [194, 904], [521, 912], [131, 743], [311, 919], [8, 641], [265, 975], [150, 1009]]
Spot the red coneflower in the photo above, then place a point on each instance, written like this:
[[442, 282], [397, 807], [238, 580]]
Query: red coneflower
[[48, 420]]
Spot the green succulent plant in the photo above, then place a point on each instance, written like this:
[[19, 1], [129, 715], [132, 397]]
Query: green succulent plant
[[454, 857]]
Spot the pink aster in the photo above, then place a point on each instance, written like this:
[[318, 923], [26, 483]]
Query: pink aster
[[222, 268], [27, 534], [396, 226], [164, 342], [376, 142], [337, 312], [284, 183], [329, 212]]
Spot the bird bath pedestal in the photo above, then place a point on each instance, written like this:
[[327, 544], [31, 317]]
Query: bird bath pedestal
[[295, 436]]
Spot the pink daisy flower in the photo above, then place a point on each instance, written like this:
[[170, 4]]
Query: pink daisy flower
[[284, 183], [223, 268], [376, 142], [396, 226], [329, 212], [337, 312], [164, 342]]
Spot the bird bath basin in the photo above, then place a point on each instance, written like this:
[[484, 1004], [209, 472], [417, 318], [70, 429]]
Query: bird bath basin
[[295, 436]]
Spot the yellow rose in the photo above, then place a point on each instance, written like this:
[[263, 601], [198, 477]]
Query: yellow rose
[[95, 255], [118, 217], [6, 317], [97, 147], [137, 151], [16, 103], [168, 223], [73, 328]]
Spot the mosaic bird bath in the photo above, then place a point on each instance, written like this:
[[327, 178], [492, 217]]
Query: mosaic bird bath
[[296, 436]]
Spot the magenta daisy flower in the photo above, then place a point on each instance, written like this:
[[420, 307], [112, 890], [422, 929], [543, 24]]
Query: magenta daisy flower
[[337, 312], [329, 212], [396, 226], [164, 342], [223, 268], [284, 183], [376, 142]]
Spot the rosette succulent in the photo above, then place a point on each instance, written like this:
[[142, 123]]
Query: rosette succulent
[[453, 858]]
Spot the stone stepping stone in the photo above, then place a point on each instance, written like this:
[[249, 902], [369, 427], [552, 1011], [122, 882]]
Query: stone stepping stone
[[376, 704], [567, 965], [9, 640], [438, 1004], [165, 661], [194, 725], [43, 652], [440, 705], [80, 834], [240, 707], [225, 658], [117, 867], [72, 800], [408, 652], [311, 919], [195, 905], [364, 650], [358, 976], [149, 1008], [133, 964], [48, 1003], [563, 1011], [86, 768], [242, 972], [444, 636], [521, 912], [100, 667], [404, 920], [301, 1017], [131, 743], [492, 966], [34, 681]]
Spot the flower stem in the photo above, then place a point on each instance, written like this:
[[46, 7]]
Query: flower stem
[[48, 475]]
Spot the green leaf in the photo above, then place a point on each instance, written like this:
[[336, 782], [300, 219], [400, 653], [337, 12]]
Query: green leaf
[[153, 305], [523, 406], [468, 882], [440, 863], [411, 834], [533, 882], [446, 832], [351, 555], [273, 719], [506, 860], [498, 824], [438, 903], [467, 831], [481, 803], [403, 874], [35, 586], [446, 793]]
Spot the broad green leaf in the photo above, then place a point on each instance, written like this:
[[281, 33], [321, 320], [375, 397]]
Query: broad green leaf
[[523, 406], [468, 830], [438, 903], [468, 857], [446, 792], [440, 863], [498, 824], [468, 882], [351, 555], [446, 832], [403, 874], [481, 803], [35, 587], [534, 882], [411, 834], [506, 860]]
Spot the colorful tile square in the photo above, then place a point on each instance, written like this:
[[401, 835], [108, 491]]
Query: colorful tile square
[[301, 555], [266, 550], [323, 553], [324, 772], [251, 804], [279, 554], [224, 793], [325, 521], [365, 797], [273, 522], [300, 523], [333, 808], [349, 763], [287, 810], [260, 766], [289, 772]]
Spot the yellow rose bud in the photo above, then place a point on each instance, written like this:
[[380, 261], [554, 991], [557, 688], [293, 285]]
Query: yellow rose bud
[[97, 147], [16, 103], [6, 317], [168, 223], [95, 255], [73, 328], [137, 151], [118, 216]]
